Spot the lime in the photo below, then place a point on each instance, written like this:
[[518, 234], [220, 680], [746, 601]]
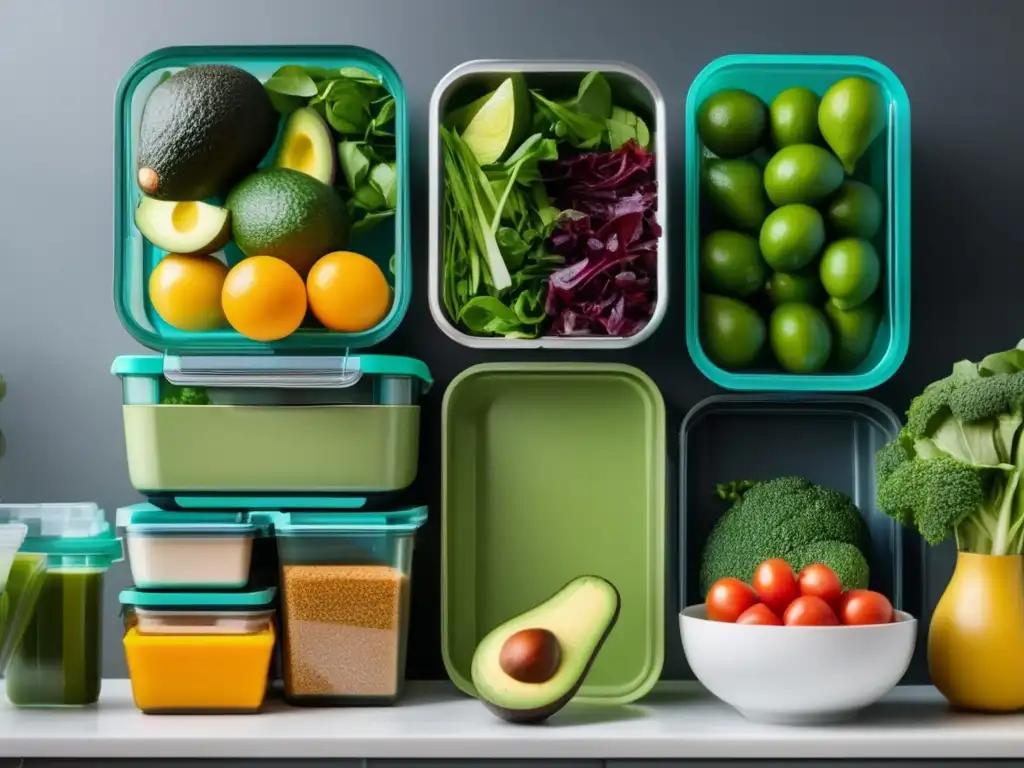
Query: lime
[[794, 117], [855, 211], [731, 123], [731, 263], [800, 337], [733, 333], [735, 191], [850, 271], [851, 116], [802, 173], [783, 287], [500, 122], [853, 331], [791, 237]]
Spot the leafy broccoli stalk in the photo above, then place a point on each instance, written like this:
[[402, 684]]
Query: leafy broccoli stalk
[[791, 518], [171, 394], [955, 468]]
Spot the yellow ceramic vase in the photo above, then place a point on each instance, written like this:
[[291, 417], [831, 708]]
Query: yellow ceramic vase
[[976, 639]]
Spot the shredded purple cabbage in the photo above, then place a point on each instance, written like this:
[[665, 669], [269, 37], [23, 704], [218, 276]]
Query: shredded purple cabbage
[[609, 240]]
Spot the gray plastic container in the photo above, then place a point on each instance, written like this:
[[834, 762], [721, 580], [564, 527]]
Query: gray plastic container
[[830, 440], [624, 79]]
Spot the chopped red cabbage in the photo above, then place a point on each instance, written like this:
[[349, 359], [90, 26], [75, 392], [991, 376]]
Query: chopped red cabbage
[[609, 240]]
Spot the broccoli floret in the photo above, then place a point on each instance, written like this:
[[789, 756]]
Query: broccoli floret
[[845, 560], [932, 494], [172, 395], [961, 462], [778, 518]]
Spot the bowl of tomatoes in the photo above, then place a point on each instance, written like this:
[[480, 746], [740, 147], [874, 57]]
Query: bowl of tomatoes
[[796, 648]]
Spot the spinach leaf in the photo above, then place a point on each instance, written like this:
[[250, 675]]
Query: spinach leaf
[[355, 165], [292, 80], [625, 126], [579, 129], [594, 96]]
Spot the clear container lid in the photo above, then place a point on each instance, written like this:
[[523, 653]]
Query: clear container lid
[[77, 530], [275, 371], [11, 537], [195, 602], [144, 520], [328, 523]]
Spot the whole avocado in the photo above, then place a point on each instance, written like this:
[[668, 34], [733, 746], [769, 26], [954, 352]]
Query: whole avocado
[[788, 517], [203, 129], [289, 215]]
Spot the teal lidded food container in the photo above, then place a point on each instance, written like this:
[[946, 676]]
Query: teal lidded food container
[[345, 585], [221, 413], [867, 359], [55, 589]]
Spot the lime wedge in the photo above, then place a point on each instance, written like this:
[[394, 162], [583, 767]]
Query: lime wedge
[[500, 121]]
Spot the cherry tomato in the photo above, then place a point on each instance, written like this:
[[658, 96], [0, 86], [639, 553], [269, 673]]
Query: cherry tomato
[[819, 580], [776, 585], [759, 614], [728, 598], [809, 611], [863, 606]]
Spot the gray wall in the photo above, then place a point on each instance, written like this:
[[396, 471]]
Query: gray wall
[[61, 60]]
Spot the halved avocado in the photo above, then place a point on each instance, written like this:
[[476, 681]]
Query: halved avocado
[[531, 666], [307, 145], [190, 228]]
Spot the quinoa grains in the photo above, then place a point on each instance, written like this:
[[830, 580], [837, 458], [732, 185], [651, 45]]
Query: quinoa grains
[[343, 630]]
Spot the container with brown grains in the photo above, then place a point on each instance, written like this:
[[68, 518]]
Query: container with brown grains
[[345, 583]]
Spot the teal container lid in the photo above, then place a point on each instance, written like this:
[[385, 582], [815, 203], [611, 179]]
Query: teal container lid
[[388, 243], [149, 520], [344, 365], [78, 530], [190, 601], [327, 523]]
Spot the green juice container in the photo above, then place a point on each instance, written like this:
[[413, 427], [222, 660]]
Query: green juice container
[[51, 609]]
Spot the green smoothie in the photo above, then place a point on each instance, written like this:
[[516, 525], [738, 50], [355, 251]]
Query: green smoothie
[[57, 662]]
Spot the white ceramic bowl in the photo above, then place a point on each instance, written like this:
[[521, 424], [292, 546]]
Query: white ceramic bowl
[[797, 675]]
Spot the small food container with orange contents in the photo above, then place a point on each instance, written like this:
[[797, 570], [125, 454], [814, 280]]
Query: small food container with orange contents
[[199, 652]]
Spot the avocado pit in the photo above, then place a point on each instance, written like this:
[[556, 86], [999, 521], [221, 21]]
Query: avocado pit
[[531, 656]]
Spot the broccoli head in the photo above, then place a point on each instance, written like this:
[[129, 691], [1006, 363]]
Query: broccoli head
[[955, 469], [173, 395], [846, 561], [778, 518]]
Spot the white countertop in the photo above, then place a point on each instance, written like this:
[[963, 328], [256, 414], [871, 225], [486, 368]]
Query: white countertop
[[434, 721]]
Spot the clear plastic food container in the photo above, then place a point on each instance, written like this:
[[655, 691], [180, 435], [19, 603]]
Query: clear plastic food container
[[265, 425], [207, 652], [188, 550], [52, 607], [345, 583], [378, 228]]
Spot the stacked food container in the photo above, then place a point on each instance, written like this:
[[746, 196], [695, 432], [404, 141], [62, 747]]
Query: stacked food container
[[260, 436]]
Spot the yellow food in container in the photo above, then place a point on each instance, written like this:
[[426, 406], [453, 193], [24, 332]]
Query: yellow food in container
[[199, 653]]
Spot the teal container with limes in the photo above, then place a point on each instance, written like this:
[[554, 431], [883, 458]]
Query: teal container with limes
[[850, 327]]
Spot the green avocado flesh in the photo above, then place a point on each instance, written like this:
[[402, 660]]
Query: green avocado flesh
[[308, 146], [579, 617]]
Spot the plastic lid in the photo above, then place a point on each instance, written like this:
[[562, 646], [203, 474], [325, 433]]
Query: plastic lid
[[190, 601], [298, 523], [64, 529], [346, 370], [149, 520], [12, 535]]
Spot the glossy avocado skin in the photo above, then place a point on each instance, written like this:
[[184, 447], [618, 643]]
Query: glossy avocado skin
[[549, 697], [203, 129]]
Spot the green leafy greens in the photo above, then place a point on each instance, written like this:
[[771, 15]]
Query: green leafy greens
[[361, 113], [497, 218]]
